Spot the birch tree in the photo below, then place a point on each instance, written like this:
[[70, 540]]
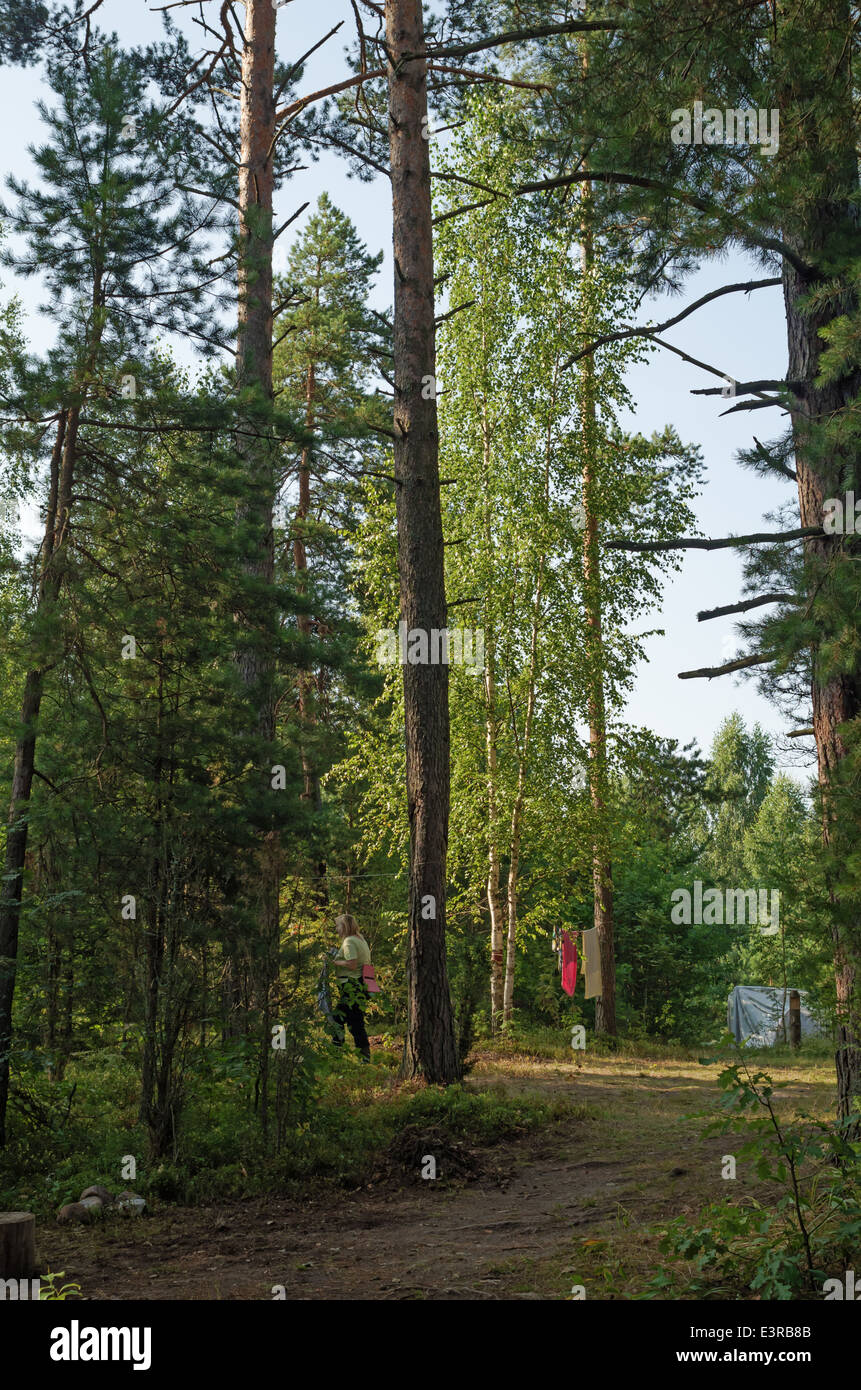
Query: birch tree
[[537, 463]]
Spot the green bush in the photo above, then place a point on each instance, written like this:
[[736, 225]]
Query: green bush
[[787, 1248]]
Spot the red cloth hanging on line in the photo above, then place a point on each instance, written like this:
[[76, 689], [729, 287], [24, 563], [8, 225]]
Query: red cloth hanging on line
[[569, 964]]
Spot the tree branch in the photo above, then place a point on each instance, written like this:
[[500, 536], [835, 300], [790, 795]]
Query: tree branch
[[698, 204], [646, 332], [292, 218], [706, 543], [466, 207], [301, 102], [488, 77], [752, 387], [756, 405], [541, 31], [456, 310], [775, 463], [708, 613], [709, 672]]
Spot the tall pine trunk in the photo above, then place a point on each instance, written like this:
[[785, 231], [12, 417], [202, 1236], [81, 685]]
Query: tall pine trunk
[[836, 699], [430, 1047], [254, 359], [63, 461], [818, 227], [254, 340]]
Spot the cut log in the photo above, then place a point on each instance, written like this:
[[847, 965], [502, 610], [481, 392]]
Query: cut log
[[17, 1244]]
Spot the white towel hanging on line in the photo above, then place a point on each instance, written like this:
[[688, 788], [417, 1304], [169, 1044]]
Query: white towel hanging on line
[[592, 961]]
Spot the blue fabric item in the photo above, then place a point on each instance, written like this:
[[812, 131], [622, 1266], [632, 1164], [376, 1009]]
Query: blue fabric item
[[753, 1015], [324, 997]]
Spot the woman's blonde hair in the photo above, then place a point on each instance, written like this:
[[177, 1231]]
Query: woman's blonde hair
[[346, 925]]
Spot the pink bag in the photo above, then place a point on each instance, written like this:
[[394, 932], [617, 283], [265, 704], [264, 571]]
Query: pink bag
[[370, 979]]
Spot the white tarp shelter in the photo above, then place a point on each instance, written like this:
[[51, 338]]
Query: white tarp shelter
[[759, 1016]]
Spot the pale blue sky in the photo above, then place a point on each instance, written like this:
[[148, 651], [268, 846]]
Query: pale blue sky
[[743, 336]]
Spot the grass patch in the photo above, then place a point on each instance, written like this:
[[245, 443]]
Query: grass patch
[[221, 1153]]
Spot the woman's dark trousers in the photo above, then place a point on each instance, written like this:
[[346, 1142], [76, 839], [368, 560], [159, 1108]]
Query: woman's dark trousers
[[349, 1012]]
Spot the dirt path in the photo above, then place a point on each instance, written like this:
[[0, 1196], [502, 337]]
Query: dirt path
[[566, 1205]]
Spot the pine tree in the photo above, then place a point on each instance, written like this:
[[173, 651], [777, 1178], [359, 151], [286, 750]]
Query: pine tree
[[95, 230], [430, 1047], [328, 347], [248, 137]]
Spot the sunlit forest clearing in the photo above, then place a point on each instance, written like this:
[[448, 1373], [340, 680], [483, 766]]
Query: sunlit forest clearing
[[430, 664], [551, 1174]]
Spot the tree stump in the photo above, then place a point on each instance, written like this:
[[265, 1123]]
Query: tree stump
[[795, 1018], [17, 1244]]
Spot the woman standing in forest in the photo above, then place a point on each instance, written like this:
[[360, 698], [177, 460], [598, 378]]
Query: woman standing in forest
[[350, 959]]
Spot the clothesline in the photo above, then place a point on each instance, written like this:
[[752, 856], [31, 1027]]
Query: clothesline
[[316, 878]]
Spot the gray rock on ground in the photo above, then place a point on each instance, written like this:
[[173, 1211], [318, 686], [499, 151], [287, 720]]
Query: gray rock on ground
[[96, 1200], [101, 1192], [75, 1211]]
